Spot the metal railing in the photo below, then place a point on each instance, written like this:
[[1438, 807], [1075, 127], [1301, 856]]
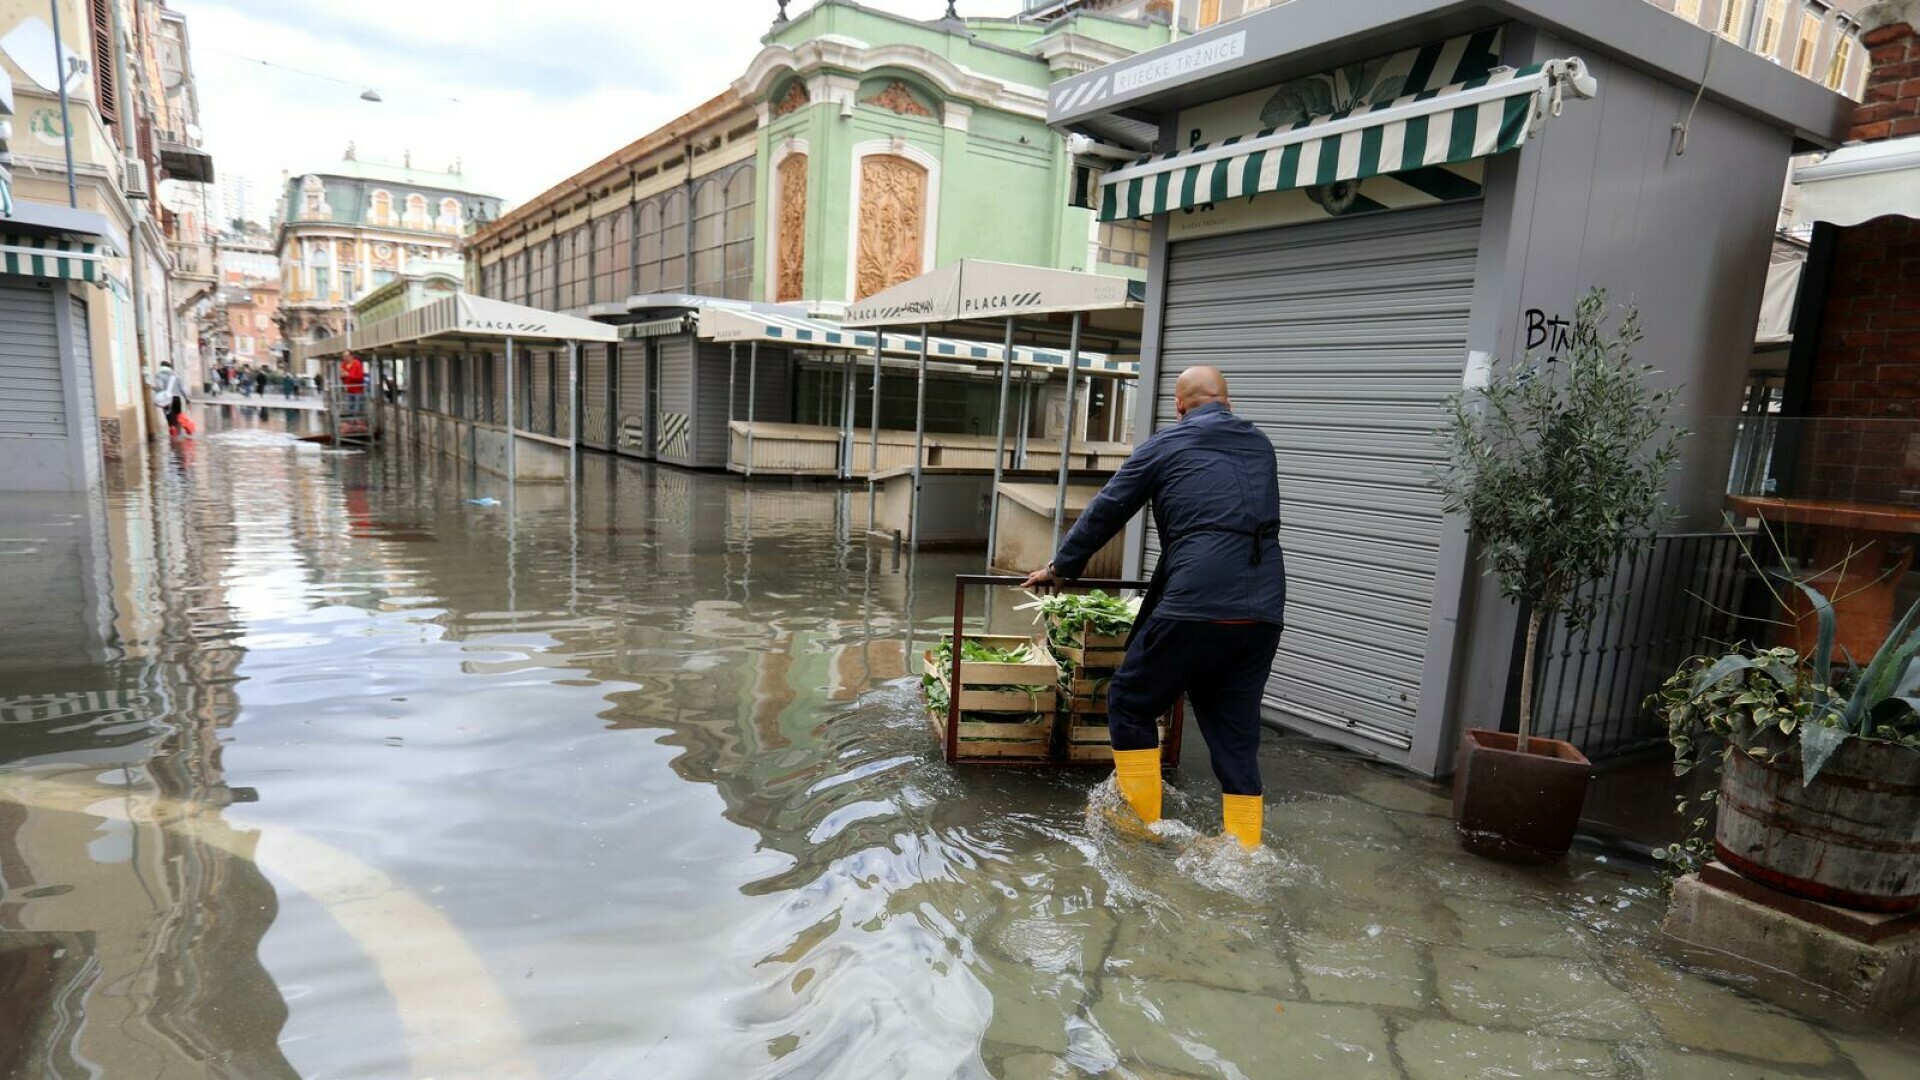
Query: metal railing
[[1686, 594]]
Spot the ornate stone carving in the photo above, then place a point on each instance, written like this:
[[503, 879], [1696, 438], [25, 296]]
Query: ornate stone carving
[[792, 100], [897, 98], [791, 268], [893, 198]]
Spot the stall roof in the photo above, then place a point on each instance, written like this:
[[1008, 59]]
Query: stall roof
[[1858, 183], [730, 324], [464, 319], [1305, 37], [974, 298]]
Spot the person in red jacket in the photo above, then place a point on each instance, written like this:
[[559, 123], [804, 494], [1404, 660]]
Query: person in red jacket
[[353, 375]]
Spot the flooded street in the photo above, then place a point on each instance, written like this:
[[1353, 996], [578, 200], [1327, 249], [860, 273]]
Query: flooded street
[[353, 765]]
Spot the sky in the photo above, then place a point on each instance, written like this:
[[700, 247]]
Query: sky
[[523, 93]]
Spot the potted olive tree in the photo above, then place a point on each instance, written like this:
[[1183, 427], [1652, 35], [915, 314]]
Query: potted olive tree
[[1559, 467]]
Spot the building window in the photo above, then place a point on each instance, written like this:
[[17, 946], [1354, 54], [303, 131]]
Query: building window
[[567, 287], [346, 283], [382, 212], [613, 256], [450, 216], [581, 271], [105, 99], [1808, 46], [1773, 20], [514, 289], [1125, 243], [709, 239], [416, 211], [322, 286], [543, 275], [662, 237], [1842, 55], [1209, 13], [739, 239], [1688, 10], [381, 277], [1733, 19]]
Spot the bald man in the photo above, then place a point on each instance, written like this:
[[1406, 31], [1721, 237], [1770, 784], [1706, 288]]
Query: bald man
[[1210, 623]]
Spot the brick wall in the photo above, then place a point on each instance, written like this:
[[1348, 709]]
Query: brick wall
[[1891, 106], [1866, 380]]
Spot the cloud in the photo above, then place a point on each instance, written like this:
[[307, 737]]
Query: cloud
[[522, 94]]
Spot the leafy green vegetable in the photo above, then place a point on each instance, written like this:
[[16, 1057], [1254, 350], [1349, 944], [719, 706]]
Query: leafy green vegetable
[[1068, 616]]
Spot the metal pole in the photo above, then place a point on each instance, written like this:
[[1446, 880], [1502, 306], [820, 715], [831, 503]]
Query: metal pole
[[1066, 436], [1026, 411], [873, 422], [919, 439], [66, 119], [849, 371], [512, 450], [999, 446], [753, 377], [573, 413]]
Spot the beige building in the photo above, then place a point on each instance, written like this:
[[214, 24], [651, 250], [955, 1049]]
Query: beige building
[[349, 229], [1819, 39], [92, 260]]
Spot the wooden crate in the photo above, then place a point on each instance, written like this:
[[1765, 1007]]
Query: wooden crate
[[1087, 738], [1083, 648], [1044, 698], [1030, 738], [1041, 672]]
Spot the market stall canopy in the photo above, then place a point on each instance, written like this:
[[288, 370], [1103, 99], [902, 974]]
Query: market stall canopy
[[1777, 301], [1858, 183], [728, 324], [974, 298], [1445, 123], [464, 319]]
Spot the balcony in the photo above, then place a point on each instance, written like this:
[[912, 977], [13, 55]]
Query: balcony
[[181, 160], [193, 263]]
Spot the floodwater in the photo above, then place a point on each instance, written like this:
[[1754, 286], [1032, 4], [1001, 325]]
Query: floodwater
[[312, 765]]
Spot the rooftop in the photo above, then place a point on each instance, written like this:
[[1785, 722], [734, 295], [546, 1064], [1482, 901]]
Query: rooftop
[[355, 169]]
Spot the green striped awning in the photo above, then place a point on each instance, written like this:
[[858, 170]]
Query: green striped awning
[[37, 256], [1472, 119]]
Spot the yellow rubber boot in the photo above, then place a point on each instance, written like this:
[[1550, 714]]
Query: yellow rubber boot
[[1241, 817], [1138, 774]]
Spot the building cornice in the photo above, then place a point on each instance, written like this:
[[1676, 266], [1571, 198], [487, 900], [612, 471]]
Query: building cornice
[[835, 53]]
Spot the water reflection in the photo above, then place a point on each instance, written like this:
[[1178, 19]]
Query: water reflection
[[354, 764]]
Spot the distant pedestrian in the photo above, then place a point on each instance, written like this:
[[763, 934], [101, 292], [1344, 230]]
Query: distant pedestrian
[[169, 396], [245, 377], [260, 381], [288, 385]]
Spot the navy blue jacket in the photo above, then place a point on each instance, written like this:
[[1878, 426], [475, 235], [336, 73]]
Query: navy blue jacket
[[1216, 502]]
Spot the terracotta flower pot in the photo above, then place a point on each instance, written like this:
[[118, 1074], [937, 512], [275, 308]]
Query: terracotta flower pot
[[1521, 807]]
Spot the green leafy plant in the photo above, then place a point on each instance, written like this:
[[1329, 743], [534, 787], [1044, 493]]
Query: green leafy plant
[[935, 679], [1772, 703], [1560, 467], [1067, 615]]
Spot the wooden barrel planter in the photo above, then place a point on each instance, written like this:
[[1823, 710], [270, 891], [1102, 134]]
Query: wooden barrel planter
[[1851, 838]]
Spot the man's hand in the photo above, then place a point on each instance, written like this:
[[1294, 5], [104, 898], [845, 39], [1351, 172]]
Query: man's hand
[[1042, 576]]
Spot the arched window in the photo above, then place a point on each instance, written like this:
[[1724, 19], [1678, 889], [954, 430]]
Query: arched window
[[416, 211], [709, 238], [572, 268], [673, 243], [515, 289], [613, 256], [738, 262], [382, 209], [450, 216], [646, 242]]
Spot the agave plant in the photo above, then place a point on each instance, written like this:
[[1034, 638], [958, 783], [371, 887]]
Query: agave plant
[[1800, 696]]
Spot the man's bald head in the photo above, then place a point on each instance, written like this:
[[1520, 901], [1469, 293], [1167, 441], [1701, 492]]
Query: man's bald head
[[1198, 386]]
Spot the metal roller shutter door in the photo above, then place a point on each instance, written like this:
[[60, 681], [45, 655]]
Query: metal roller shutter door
[[630, 401], [595, 394], [1342, 340], [673, 419], [32, 392], [541, 401]]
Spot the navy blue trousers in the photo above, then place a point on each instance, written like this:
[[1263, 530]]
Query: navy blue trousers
[[1222, 670]]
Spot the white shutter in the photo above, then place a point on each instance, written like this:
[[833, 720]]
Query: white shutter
[[32, 399]]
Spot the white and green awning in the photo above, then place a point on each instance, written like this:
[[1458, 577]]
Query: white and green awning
[[36, 256], [1471, 119]]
